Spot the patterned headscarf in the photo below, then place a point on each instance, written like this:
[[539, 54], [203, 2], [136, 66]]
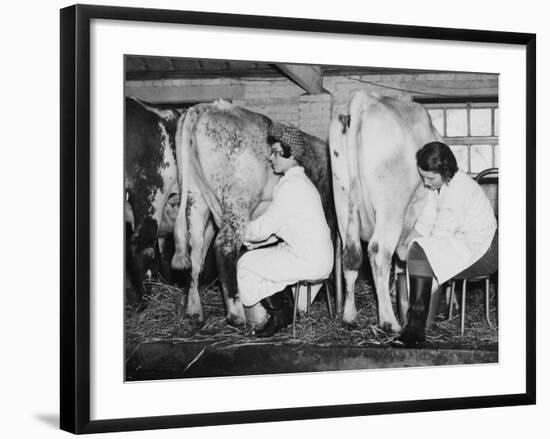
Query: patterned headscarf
[[290, 137]]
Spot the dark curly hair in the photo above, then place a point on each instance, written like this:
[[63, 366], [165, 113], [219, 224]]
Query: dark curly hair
[[437, 157], [286, 149]]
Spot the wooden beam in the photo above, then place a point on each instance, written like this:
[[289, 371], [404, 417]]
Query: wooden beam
[[166, 94], [310, 78]]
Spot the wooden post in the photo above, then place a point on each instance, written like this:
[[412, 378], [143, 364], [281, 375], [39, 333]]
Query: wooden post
[[338, 275]]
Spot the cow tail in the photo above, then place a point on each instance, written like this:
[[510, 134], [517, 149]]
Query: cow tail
[[185, 125], [200, 180], [355, 113], [167, 115], [340, 173], [356, 108]]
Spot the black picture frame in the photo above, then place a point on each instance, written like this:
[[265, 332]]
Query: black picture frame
[[75, 217]]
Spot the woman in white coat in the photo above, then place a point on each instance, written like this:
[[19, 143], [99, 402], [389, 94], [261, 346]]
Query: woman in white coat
[[455, 232], [296, 218]]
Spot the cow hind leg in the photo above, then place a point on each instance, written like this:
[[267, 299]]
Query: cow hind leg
[[199, 239], [350, 311], [226, 258], [143, 263], [351, 261], [381, 248]]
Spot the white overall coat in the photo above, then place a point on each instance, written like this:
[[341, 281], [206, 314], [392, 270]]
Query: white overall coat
[[457, 224], [296, 216]]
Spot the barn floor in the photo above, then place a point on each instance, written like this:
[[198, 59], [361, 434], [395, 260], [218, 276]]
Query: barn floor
[[161, 343]]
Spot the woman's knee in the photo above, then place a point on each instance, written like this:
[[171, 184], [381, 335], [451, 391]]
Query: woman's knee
[[416, 252], [242, 262], [417, 261]]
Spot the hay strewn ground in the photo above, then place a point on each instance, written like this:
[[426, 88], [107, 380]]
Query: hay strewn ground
[[164, 319]]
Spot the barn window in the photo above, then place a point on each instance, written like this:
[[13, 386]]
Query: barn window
[[470, 127]]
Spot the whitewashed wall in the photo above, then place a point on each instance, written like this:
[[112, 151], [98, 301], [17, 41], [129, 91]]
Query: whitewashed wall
[[282, 100]]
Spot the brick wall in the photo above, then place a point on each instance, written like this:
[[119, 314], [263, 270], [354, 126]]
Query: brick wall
[[282, 100]]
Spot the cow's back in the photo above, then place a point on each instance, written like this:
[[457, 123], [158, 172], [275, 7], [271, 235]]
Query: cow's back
[[376, 166], [149, 166], [393, 131], [223, 150], [231, 153]]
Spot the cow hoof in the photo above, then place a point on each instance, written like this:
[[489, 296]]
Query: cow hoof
[[234, 321], [180, 261], [390, 328], [350, 326], [195, 316], [196, 322]]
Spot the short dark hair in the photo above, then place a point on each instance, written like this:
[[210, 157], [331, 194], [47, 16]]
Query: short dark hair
[[286, 149], [437, 157]]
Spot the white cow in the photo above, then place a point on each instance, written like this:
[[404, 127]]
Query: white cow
[[225, 176], [377, 189]]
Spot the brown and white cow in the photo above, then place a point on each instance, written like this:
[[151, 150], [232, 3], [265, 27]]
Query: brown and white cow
[[222, 154], [377, 189], [152, 192]]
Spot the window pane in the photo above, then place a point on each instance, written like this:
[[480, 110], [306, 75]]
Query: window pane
[[461, 154], [496, 133], [456, 122], [437, 119], [482, 157], [497, 156], [480, 121]]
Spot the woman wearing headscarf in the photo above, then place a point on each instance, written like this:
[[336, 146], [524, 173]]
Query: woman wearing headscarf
[[296, 218]]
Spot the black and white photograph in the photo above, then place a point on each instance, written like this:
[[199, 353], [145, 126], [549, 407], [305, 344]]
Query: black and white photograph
[[287, 218], [293, 217]]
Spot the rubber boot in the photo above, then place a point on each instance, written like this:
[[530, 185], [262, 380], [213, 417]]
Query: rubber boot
[[402, 297], [414, 332], [279, 306], [273, 302], [288, 301]]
